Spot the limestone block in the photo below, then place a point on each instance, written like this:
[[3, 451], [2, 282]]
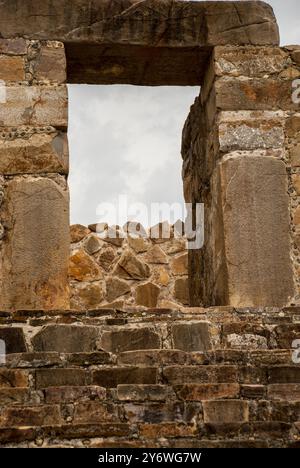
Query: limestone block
[[78, 232], [86, 295], [115, 288], [179, 265], [133, 267], [129, 339], [252, 194], [12, 68], [151, 42], [147, 295], [66, 339], [50, 64], [181, 290], [35, 252], [156, 255], [226, 411], [37, 153], [34, 105], [191, 336], [15, 46], [82, 267], [254, 94]]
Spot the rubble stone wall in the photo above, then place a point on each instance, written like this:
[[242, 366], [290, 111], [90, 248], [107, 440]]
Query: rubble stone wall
[[128, 270]]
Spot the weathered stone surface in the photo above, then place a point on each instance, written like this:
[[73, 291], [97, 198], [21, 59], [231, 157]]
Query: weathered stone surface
[[149, 357], [14, 339], [50, 65], [16, 46], [138, 244], [129, 339], [200, 374], [193, 336], [14, 396], [144, 392], [167, 430], [226, 411], [254, 94], [136, 31], [284, 375], [83, 268], [147, 294], [30, 416], [12, 68], [112, 377], [56, 395], [78, 232], [60, 377], [66, 339], [95, 412], [40, 153], [256, 246], [87, 295], [181, 290], [34, 266], [92, 245], [13, 378], [179, 265], [156, 255], [133, 267], [115, 288], [33, 105], [285, 392], [194, 392], [106, 257]]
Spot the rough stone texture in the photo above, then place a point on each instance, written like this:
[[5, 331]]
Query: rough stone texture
[[75, 396], [238, 139], [14, 340], [192, 336], [256, 246], [136, 272], [34, 154], [150, 42], [34, 266], [66, 339]]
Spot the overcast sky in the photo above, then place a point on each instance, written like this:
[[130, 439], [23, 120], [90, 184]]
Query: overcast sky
[[125, 140]]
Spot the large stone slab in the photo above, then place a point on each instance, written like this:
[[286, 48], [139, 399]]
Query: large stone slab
[[139, 42], [35, 105], [34, 153], [35, 250], [253, 219]]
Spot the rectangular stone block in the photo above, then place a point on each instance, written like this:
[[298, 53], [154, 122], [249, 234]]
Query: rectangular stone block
[[35, 251], [254, 94], [226, 411], [50, 64], [30, 416], [60, 377], [16, 46], [35, 105], [284, 375], [13, 378], [287, 392], [12, 68], [191, 336], [144, 392], [114, 376], [255, 258], [200, 374], [33, 153], [155, 413], [94, 412], [249, 61], [167, 430], [14, 396], [72, 394], [198, 392], [128, 339]]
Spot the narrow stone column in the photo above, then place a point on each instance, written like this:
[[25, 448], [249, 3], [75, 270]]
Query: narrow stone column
[[241, 157], [34, 213]]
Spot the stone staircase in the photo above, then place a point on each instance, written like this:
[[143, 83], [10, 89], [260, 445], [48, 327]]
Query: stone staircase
[[217, 377]]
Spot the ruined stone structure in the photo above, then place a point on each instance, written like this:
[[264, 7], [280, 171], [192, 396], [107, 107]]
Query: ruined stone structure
[[220, 376]]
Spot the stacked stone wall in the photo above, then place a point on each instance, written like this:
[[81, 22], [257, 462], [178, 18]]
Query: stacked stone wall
[[121, 269]]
